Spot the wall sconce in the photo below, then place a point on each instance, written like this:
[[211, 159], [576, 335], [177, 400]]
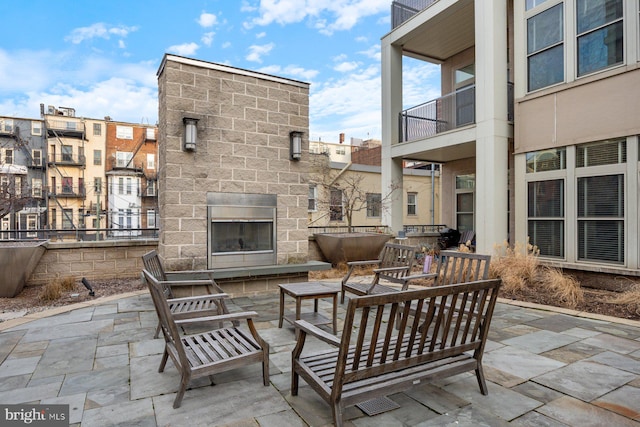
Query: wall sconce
[[190, 133], [295, 148]]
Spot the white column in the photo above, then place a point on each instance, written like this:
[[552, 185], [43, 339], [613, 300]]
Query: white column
[[492, 127], [391, 173]]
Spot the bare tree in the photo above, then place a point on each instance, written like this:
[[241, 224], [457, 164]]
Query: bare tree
[[343, 192]]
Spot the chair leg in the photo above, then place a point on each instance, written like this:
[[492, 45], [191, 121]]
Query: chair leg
[[481, 382], [342, 297], [294, 383], [336, 408], [163, 362], [157, 331], [184, 382], [265, 367]]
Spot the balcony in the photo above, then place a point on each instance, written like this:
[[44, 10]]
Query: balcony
[[402, 10], [67, 191], [452, 111], [68, 128], [67, 160]]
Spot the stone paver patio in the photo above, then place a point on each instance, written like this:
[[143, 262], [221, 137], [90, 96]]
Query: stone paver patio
[[544, 368]]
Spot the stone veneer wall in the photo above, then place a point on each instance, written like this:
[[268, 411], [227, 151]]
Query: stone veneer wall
[[244, 123]]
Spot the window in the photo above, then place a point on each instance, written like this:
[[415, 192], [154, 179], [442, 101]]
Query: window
[[6, 125], [335, 205], [120, 218], [546, 219], [97, 129], [36, 187], [600, 34], [129, 185], [32, 225], [36, 127], [120, 185], [340, 151], [67, 184], [465, 192], [4, 186], [411, 203], [129, 226], [533, 3], [151, 134], [97, 157], [123, 158], [151, 218], [54, 218], [72, 126], [313, 198], [151, 188], [97, 185], [547, 160], [608, 152], [151, 161], [36, 156], [601, 218], [545, 48], [5, 226], [124, 132], [374, 205], [8, 156], [17, 185], [67, 219], [67, 153]]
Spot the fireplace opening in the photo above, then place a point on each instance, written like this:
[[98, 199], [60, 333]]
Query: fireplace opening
[[241, 230]]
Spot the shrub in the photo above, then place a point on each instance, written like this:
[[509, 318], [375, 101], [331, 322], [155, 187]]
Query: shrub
[[629, 298], [53, 290], [517, 266], [563, 287]]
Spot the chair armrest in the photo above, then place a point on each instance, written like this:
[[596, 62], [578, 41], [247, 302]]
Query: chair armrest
[[371, 261], [219, 318], [198, 298], [310, 329], [204, 282]]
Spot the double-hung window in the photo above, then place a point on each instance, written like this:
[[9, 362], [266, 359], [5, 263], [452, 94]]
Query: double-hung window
[[545, 48], [335, 205], [374, 204], [313, 198], [600, 32]]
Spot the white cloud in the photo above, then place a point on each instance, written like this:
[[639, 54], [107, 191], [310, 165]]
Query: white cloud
[[373, 52], [261, 35], [185, 49], [345, 67], [207, 20], [100, 30], [226, 45], [207, 38], [327, 16], [121, 44], [340, 57], [291, 71], [256, 52], [362, 39]]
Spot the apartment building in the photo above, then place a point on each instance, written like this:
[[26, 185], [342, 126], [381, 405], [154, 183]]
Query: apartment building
[[23, 200], [537, 126], [346, 180], [131, 172]]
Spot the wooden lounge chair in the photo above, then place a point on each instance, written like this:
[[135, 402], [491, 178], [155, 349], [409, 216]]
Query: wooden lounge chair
[[207, 353], [187, 307], [393, 264]]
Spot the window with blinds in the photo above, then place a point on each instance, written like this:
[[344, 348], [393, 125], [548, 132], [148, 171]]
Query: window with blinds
[[546, 216], [601, 218], [608, 152]]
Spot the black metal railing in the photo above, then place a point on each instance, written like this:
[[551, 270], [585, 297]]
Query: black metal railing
[[80, 234], [428, 228], [345, 229], [402, 10]]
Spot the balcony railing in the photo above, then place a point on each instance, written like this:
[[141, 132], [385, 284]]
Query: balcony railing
[[68, 159], [67, 191], [402, 10], [443, 114]]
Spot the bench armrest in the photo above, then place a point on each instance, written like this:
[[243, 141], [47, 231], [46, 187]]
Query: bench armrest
[[219, 318], [310, 329], [199, 282], [390, 269], [420, 276], [367, 262], [198, 298]]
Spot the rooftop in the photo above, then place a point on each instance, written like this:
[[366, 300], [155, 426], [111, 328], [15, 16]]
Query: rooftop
[[543, 366]]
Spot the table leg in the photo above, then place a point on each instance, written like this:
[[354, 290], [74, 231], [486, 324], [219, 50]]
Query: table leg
[[281, 308], [315, 305], [298, 304]]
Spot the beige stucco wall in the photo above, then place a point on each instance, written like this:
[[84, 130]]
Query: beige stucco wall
[[243, 147], [578, 113]]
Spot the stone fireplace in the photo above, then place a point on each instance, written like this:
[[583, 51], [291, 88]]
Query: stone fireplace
[[241, 230], [232, 200]]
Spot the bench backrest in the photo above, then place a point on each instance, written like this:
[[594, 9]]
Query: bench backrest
[[381, 343], [460, 267], [396, 255], [152, 264]]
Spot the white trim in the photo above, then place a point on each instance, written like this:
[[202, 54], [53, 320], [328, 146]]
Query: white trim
[[227, 69]]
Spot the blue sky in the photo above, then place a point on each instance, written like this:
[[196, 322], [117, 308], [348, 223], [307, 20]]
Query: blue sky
[[101, 58]]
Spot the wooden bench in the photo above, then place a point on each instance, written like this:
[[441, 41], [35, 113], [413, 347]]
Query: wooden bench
[[186, 307], [393, 264], [384, 355], [457, 267], [207, 353]]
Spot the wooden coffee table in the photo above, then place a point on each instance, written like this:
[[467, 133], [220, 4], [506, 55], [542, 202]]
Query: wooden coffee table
[[314, 291]]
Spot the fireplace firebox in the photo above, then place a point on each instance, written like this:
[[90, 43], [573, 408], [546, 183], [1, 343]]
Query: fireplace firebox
[[241, 229]]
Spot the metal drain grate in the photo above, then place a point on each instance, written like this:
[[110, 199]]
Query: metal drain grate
[[377, 406]]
